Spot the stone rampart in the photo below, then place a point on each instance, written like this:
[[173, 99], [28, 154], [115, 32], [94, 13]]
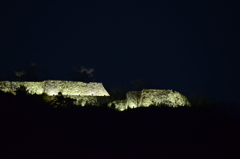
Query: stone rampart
[[95, 94], [52, 87], [151, 97]]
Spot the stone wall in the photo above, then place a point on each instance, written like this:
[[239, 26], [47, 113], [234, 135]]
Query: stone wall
[[95, 94], [52, 87], [150, 97]]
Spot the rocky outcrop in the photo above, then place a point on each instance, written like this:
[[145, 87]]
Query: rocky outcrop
[[151, 97]]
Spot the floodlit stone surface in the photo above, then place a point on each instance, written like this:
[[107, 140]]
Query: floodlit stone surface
[[95, 94], [119, 105], [52, 87], [31, 87], [133, 99], [151, 97]]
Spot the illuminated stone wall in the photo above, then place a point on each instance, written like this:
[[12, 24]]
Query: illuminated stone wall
[[95, 94], [150, 97], [52, 87]]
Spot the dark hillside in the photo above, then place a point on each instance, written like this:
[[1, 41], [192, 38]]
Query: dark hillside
[[31, 128]]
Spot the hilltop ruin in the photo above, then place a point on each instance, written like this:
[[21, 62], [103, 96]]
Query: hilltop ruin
[[95, 94], [150, 97], [53, 87]]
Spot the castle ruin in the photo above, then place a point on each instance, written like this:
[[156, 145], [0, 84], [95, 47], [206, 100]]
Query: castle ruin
[[95, 94], [53, 87]]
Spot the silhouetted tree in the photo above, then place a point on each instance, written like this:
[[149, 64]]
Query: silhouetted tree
[[27, 74], [83, 74], [60, 101], [21, 91], [19, 75]]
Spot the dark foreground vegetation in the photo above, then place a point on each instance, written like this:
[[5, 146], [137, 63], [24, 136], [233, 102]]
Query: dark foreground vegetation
[[32, 128]]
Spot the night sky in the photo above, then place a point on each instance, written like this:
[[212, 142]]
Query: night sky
[[184, 46]]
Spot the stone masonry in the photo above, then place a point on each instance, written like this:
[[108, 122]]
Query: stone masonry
[[95, 94], [52, 87], [150, 97]]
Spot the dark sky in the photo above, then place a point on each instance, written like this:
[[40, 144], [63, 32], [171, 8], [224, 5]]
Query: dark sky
[[185, 46]]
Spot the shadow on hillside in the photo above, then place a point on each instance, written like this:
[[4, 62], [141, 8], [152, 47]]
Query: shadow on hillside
[[30, 126]]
